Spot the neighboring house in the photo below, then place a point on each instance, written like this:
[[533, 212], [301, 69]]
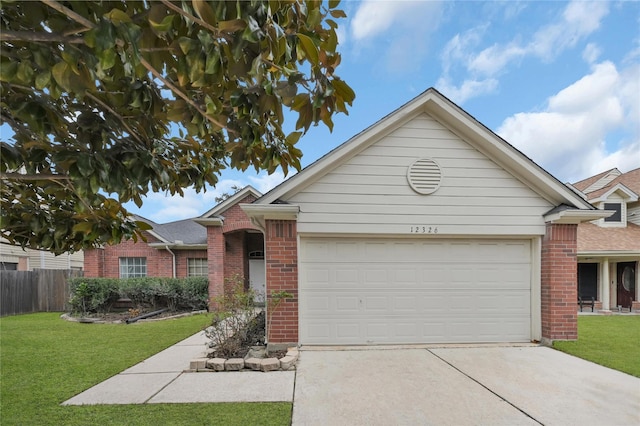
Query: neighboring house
[[183, 249], [609, 248], [15, 258], [426, 227]]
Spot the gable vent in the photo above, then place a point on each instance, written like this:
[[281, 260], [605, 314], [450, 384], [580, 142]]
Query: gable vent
[[424, 176]]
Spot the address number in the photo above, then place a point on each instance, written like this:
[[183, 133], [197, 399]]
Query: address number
[[424, 229]]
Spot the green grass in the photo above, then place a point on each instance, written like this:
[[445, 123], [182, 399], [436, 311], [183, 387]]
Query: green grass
[[45, 360], [612, 341]]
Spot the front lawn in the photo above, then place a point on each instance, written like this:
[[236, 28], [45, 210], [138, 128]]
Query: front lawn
[[612, 341], [45, 360]]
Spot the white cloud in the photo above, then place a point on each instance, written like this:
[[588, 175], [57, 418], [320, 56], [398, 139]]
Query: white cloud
[[585, 128], [591, 53], [494, 59], [265, 182], [578, 20], [467, 90], [398, 31], [375, 17]]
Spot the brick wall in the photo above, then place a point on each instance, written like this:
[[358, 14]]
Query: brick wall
[[93, 263], [159, 262], [559, 289], [182, 260], [281, 259]]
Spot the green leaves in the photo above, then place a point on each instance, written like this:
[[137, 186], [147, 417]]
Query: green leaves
[[132, 97], [309, 48]]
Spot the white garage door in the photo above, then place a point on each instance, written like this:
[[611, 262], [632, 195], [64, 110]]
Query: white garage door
[[368, 291]]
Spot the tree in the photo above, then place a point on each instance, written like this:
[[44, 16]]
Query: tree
[[107, 100]]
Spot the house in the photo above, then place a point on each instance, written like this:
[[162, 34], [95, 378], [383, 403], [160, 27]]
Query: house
[[222, 244], [15, 258], [609, 248], [426, 227]]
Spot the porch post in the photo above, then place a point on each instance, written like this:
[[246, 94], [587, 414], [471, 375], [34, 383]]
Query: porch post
[[604, 285]]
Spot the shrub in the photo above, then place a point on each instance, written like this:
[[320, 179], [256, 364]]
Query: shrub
[[140, 290], [91, 295], [231, 314], [195, 293]]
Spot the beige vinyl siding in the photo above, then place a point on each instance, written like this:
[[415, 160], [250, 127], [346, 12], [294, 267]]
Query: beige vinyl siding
[[633, 213], [370, 194], [41, 260]]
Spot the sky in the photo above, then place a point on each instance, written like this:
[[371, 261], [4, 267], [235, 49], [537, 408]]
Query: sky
[[560, 81]]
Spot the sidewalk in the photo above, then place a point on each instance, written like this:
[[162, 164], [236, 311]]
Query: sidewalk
[[161, 379]]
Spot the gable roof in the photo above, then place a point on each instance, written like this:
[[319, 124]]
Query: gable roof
[[459, 122], [625, 182], [586, 183], [187, 231]]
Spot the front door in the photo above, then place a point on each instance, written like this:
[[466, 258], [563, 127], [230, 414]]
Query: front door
[[626, 283], [257, 279]]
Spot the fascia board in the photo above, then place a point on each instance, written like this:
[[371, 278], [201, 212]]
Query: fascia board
[[209, 221], [577, 216]]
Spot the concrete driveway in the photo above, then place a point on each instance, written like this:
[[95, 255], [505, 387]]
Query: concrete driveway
[[483, 385]]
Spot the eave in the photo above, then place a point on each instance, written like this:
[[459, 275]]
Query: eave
[[572, 216]]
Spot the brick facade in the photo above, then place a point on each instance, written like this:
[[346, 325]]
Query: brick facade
[[559, 276], [227, 253], [281, 256]]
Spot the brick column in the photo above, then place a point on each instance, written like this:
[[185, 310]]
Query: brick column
[[559, 289], [93, 263], [215, 262], [281, 258]]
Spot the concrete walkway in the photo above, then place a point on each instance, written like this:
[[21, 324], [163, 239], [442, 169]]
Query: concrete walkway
[[161, 379]]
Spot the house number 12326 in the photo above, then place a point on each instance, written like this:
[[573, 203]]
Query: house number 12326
[[424, 229]]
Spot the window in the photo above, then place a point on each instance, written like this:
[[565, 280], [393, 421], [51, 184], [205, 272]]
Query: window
[[617, 216], [133, 267], [8, 266], [197, 267], [588, 281]]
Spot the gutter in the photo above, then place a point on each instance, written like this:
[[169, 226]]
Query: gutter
[[174, 259]]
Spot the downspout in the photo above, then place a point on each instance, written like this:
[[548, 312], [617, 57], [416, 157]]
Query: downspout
[[174, 259]]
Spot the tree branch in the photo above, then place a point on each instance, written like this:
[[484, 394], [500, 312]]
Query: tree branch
[[187, 15], [20, 176], [179, 93], [118, 116], [69, 13], [30, 36]]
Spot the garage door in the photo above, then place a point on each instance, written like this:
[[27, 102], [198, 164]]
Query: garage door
[[366, 291]]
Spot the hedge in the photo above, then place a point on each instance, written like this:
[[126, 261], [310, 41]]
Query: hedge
[[89, 295]]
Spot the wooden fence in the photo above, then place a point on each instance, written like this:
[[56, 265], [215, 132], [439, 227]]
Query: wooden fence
[[40, 290]]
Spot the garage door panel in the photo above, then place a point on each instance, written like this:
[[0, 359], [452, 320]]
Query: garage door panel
[[412, 291]]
